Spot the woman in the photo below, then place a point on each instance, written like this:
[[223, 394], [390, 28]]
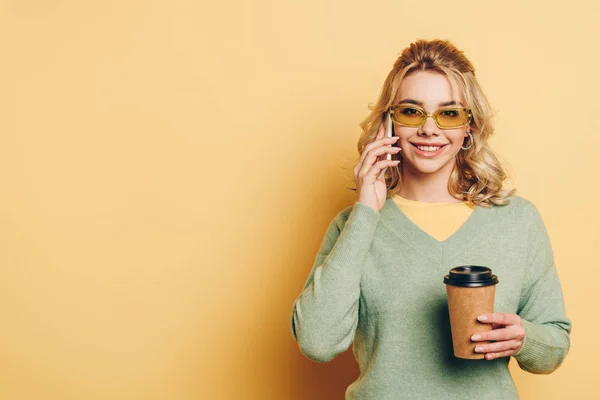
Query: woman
[[377, 279]]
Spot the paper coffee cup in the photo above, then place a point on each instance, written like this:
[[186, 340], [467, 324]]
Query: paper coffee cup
[[471, 290]]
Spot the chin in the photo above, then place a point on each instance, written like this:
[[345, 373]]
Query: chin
[[429, 166], [428, 171]]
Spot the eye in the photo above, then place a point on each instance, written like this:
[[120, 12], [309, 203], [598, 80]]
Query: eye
[[410, 111], [450, 113]]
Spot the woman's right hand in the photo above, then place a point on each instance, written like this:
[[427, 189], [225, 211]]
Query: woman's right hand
[[370, 170]]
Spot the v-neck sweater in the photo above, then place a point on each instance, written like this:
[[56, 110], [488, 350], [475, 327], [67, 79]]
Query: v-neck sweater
[[377, 282], [439, 220]]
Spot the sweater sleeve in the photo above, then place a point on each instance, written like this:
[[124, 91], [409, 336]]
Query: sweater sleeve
[[541, 306], [325, 315]]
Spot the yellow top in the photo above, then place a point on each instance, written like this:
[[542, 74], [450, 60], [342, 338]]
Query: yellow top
[[439, 220]]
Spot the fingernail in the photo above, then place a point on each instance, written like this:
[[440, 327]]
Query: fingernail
[[482, 318], [476, 337], [478, 348]]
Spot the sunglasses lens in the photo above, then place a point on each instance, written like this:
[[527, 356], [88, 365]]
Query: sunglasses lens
[[449, 117], [409, 116], [452, 117]]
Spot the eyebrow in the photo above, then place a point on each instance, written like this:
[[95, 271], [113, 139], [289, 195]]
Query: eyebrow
[[442, 104]]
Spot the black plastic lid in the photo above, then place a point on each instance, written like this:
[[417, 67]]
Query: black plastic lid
[[471, 276]]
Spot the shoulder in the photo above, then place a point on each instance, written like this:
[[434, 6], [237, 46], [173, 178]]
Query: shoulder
[[342, 216], [357, 212], [519, 208], [336, 226], [337, 223]]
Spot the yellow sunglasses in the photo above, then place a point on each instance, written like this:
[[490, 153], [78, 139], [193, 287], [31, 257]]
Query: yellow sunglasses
[[445, 118]]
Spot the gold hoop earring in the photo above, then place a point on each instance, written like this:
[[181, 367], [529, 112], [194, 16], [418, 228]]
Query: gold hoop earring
[[471, 145]]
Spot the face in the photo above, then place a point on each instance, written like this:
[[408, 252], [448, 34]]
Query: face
[[431, 91]]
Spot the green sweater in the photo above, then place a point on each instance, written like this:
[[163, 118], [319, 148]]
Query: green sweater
[[377, 282]]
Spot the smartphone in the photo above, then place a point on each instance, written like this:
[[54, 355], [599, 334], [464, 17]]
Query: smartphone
[[389, 131]]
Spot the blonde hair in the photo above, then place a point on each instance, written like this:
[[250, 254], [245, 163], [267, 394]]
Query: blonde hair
[[477, 176]]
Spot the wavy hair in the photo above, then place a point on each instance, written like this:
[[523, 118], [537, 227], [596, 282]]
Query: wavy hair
[[478, 175]]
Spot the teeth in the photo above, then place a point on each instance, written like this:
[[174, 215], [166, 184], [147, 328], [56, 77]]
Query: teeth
[[429, 148]]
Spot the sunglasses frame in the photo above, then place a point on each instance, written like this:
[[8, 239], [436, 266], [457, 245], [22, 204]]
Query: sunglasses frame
[[433, 115]]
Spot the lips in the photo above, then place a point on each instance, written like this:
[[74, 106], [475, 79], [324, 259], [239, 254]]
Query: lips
[[428, 154], [430, 144]]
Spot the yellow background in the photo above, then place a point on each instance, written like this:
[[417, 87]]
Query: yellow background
[[168, 170]]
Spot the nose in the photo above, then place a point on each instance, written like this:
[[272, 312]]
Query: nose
[[429, 127]]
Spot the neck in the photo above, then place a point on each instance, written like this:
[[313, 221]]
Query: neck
[[427, 187]]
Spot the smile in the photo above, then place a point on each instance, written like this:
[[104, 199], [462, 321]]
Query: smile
[[428, 151]]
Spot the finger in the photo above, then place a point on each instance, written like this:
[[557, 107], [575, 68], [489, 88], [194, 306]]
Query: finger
[[380, 134], [382, 173], [497, 334], [383, 142], [378, 137], [493, 356], [381, 131], [497, 347], [381, 176], [374, 154], [371, 156], [500, 318], [373, 172]]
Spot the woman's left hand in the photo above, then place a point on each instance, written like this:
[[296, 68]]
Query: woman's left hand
[[507, 335]]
